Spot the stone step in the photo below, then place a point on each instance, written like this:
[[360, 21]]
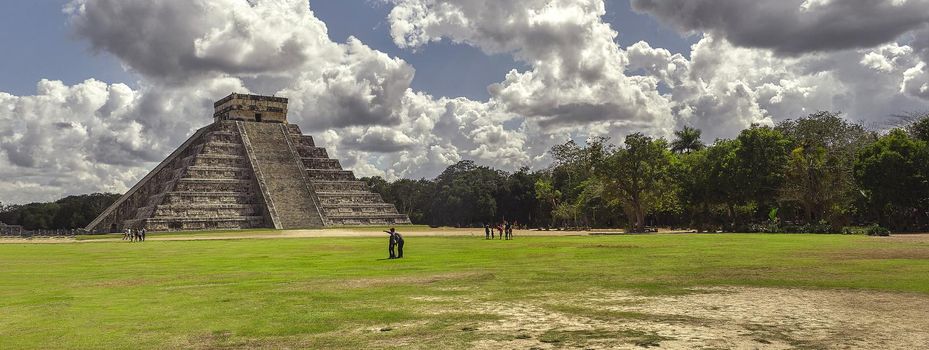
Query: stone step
[[228, 197], [339, 186], [222, 148], [206, 210], [330, 175], [345, 210], [363, 215], [335, 198], [302, 140], [192, 224], [312, 152], [215, 172], [370, 221], [221, 137], [322, 163], [213, 185], [220, 160]]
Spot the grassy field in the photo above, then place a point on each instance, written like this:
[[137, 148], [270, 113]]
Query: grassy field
[[342, 293]]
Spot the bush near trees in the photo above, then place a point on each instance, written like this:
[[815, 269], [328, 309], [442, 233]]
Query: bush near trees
[[819, 173]]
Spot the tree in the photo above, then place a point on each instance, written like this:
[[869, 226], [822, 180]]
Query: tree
[[687, 140], [707, 179], [819, 175], [413, 197], [894, 174], [546, 193], [465, 194], [71, 212], [638, 177], [518, 201], [759, 164], [919, 126]]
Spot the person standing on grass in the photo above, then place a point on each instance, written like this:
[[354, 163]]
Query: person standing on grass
[[126, 234], [142, 234], [399, 239], [500, 230], [508, 229], [390, 244], [487, 231]]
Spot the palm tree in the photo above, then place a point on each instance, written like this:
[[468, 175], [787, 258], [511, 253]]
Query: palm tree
[[688, 140]]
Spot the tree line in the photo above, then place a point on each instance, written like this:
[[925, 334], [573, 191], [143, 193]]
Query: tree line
[[71, 212], [819, 173]]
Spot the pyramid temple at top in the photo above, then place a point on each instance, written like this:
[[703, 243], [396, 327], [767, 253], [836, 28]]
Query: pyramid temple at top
[[248, 169]]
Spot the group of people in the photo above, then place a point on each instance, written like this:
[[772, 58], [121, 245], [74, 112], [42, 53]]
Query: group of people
[[396, 241], [504, 230], [137, 235]]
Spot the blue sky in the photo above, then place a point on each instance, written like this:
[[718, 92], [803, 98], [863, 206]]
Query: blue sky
[[48, 48]]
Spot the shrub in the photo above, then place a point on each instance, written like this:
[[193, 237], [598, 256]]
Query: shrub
[[876, 230]]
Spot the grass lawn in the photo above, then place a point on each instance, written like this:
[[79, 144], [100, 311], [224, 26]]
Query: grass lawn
[[341, 293]]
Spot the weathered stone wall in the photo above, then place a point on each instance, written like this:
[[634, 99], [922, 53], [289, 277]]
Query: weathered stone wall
[[343, 199], [251, 108], [205, 184]]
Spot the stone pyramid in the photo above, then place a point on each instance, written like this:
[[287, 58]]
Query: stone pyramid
[[248, 169]]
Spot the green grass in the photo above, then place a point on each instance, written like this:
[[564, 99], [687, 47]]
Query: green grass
[[341, 293]]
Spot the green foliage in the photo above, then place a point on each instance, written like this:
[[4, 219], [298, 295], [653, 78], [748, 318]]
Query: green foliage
[[820, 170], [877, 230], [760, 161], [894, 175], [687, 140], [813, 171], [72, 212], [707, 180], [638, 178], [918, 126], [466, 195]]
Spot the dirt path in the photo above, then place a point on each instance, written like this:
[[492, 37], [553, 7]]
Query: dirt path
[[711, 318]]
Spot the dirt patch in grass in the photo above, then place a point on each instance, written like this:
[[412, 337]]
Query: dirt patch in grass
[[881, 253], [370, 282], [709, 318], [609, 246], [906, 237]]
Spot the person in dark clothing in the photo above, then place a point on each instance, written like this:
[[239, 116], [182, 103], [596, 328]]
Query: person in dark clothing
[[487, 231], [508, 229], [392, 242], [399, 239], [500, 230], [142, 234]]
